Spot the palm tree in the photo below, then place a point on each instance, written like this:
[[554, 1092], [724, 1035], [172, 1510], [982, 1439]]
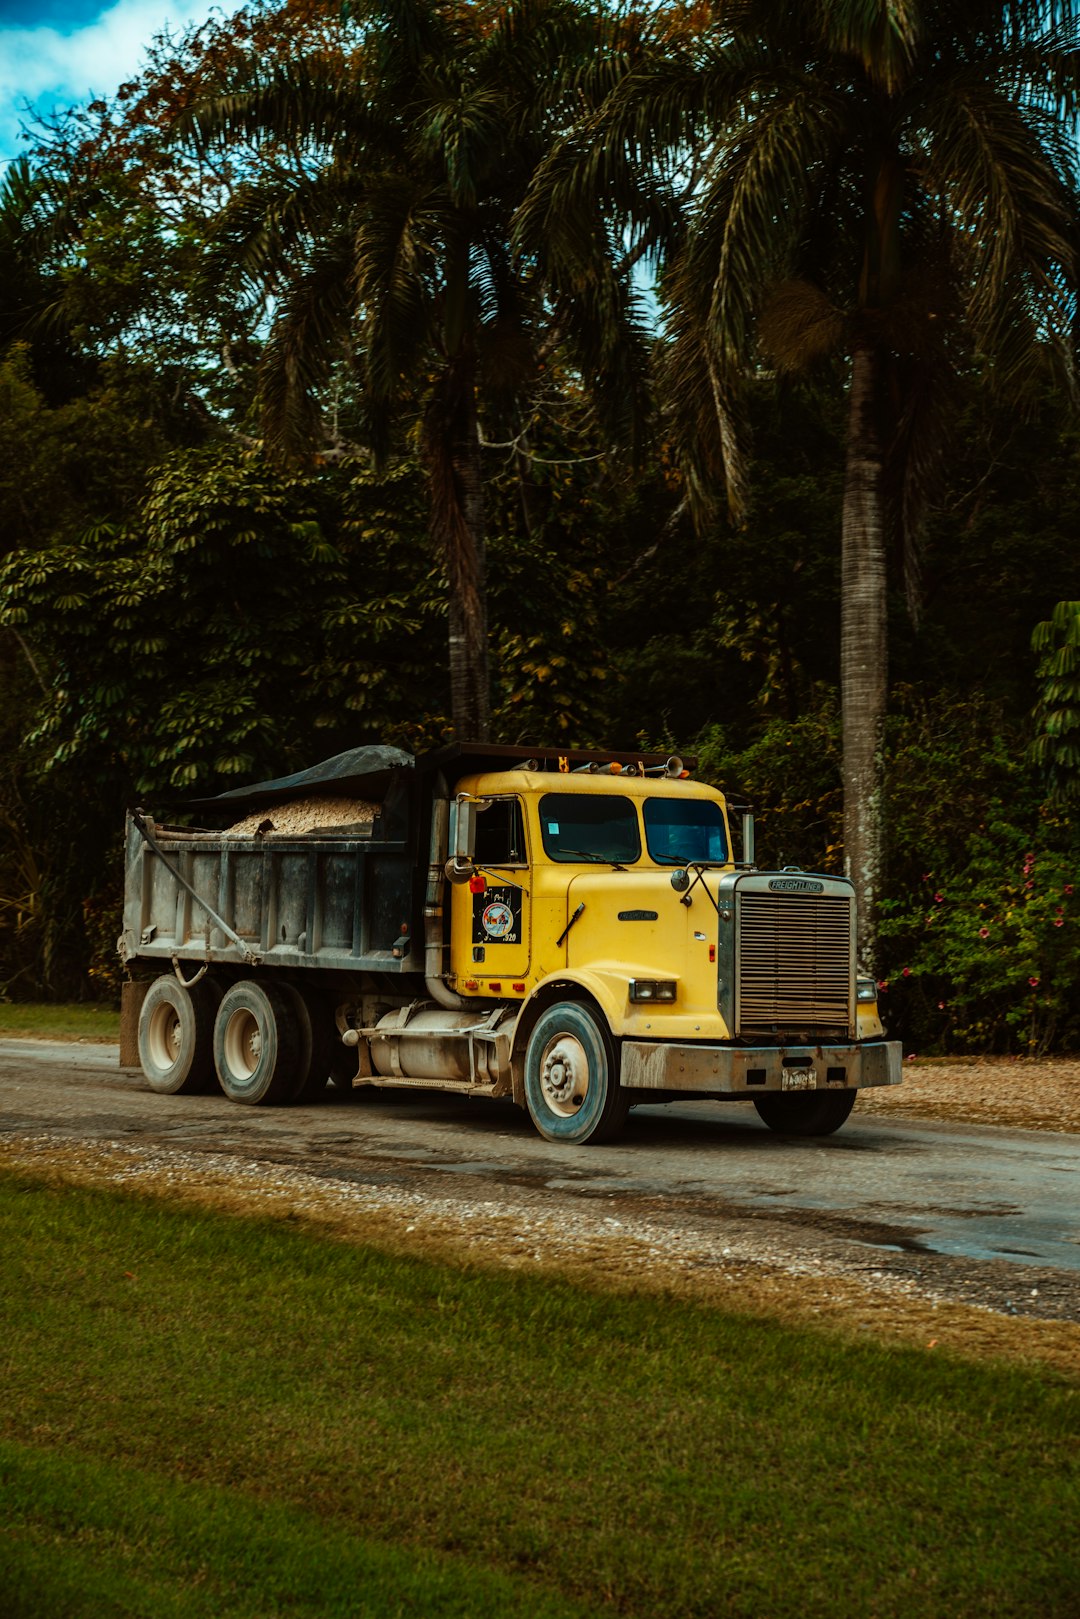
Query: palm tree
[[389, 152], [893, 181]]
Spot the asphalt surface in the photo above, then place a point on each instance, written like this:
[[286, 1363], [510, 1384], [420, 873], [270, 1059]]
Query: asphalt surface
[[961, 1212]]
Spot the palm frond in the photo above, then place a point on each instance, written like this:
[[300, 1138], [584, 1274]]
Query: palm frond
[[704, 411], [303, 105], [309, 335], [1011, 212], [798, 325], [462, 131], [395, 274], [882, 35]]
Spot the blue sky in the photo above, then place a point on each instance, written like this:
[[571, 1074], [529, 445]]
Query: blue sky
[[55, 53]]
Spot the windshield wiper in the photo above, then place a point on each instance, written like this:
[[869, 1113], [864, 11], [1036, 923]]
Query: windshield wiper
[[597, 859]]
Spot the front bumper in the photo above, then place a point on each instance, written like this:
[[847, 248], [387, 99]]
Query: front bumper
[[717, 1070]]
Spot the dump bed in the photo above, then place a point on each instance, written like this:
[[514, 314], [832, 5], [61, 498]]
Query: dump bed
[[337, 902]]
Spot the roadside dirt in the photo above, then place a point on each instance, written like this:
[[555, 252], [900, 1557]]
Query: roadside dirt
[[1025, 1093], [745, 1260]]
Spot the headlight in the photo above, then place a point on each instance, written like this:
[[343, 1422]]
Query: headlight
[[653, 989], [865, 989]]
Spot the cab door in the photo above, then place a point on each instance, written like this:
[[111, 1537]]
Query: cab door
[[491, 927]]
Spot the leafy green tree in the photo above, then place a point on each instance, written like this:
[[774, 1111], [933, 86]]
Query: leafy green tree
[[388, 155], [30, 289], [77, 463], [240, 611], [1056, 747], [896, 184], [980, 929]]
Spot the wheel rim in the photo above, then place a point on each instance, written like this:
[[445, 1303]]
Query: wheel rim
[[243, 1043], [164, 1036], [564, 1075]]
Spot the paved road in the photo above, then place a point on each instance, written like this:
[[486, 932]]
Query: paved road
[[980, 1213]]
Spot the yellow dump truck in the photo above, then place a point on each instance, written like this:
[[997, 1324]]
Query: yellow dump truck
[[574, 931]]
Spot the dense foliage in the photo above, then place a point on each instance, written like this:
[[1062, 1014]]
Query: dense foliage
[[183, 605]]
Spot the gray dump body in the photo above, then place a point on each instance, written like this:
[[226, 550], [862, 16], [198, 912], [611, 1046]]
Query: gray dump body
[[331, 902]]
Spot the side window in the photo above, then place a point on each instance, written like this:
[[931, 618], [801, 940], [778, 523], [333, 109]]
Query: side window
[[500, 834]]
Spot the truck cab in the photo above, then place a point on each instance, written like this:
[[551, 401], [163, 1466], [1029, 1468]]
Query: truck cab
[[613, 888]]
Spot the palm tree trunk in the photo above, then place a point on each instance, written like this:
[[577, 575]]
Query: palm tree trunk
[[452, 444], [864, 650]]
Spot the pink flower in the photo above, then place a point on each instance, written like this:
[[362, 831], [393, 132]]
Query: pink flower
[[941, 1006], [1067, 889], [906, 972], [1029, 885], [1059, 921], [926, 876], [911, 1056], [938, 898], [984, 933], [883, 983], [1034, 982]]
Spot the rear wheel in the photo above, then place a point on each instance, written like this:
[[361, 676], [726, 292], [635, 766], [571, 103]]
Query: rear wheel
[[316, 1026], [258, 1044], [176, 1036], [808, 1113], [572, 1085]]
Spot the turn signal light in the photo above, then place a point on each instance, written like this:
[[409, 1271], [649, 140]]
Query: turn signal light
[[653, 989]]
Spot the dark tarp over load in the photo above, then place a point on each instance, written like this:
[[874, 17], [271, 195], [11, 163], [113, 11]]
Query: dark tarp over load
[[367, 773]]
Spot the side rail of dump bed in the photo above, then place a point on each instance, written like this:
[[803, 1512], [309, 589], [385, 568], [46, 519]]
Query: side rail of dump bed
[[303, 901]]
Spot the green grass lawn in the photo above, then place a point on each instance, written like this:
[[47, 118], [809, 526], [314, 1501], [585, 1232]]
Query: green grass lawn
[[83, 1020], [205, 1415]]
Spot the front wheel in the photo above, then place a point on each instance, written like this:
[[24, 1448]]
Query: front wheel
[[572, 1085], [808, 1113]]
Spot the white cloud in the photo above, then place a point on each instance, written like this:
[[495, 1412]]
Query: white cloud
[[52, 69]]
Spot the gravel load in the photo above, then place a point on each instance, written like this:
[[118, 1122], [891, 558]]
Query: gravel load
[[315, 814]]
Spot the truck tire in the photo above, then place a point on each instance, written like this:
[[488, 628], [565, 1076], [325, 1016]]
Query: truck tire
[[176, 1036], [316, 1026], [258, 1044], [809, 1113], [572, 1088]]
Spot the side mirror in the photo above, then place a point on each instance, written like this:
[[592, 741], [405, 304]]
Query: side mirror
[[462, 828], [680, 881], [459, 868]]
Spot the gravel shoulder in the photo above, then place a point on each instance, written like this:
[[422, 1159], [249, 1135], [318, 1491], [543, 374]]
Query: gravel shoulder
[[753, 1259]]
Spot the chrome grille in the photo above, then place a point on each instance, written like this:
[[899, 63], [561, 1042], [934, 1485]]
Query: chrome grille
[[794, 962]]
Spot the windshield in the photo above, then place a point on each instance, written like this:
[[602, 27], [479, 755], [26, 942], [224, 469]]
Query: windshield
[[579, 826], [679, 831]]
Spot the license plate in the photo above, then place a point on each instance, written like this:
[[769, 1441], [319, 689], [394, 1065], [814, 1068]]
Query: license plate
[[799, 1079]]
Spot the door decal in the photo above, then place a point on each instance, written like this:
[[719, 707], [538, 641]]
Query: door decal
[[496, 916]]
